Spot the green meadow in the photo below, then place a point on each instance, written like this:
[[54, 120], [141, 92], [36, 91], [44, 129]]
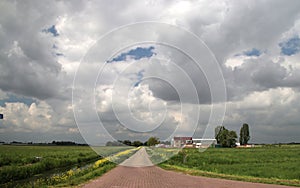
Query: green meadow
[[279, 165], [73, 165], [52, 165]]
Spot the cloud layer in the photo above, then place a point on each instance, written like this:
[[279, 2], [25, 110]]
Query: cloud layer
[[148, 86]]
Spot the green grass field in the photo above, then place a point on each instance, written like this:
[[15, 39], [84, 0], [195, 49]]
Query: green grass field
[[23, 162], [267, 163], [279, 165]]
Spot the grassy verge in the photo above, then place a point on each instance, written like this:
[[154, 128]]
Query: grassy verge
[[68, 179], [275, 165], [158, 155], [79, 178], [196, 172]]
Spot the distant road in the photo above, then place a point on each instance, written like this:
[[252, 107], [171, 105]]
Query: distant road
[[138, 171], [139, 159]]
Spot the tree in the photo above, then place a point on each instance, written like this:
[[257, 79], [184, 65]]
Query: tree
[[231, 139], [114, 143], [145, 143], [137, 143], [244, 134], [218, 130], [127, 142], [165, 142], [152, 141], [226, 138]]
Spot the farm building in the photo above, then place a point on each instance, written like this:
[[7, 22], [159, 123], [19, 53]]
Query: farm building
[[179, 142], [204, 142]]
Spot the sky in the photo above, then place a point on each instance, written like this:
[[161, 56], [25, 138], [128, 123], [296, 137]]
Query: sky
[[93, 71]]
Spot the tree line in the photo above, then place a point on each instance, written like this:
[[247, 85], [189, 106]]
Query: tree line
[[53, 143], [224, 137], [228, 138], [150, 142]]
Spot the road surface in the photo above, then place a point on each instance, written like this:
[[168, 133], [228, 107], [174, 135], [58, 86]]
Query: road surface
[[138, 171], [139, 159]]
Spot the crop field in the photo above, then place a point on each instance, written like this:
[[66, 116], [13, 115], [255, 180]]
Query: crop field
[[23, 162], [279, 165]]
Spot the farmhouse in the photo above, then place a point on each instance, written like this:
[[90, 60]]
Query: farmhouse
[[179, 142]]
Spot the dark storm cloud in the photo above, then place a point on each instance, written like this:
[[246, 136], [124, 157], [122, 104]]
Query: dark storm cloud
[[28, 78]]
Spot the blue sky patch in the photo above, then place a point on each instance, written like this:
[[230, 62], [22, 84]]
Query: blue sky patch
[[291, 46], [13, 99], [52, 30], [253, 52], [136, 54], [140, 76], [59, 54]]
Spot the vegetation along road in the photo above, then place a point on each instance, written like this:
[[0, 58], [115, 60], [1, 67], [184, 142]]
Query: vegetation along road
[[66, 166], [153, 176]]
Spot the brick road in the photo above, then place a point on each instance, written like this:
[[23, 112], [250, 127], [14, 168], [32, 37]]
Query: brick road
[[153, 177]]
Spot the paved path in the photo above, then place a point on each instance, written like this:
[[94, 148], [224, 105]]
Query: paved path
[[144, 175], [139, 159]]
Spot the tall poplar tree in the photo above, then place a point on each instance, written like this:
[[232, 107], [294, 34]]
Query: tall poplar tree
[[244, 134]]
